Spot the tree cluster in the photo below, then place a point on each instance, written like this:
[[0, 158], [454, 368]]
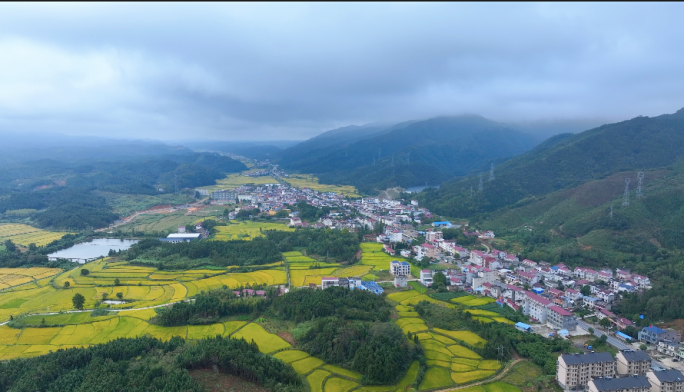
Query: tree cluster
[[334, 245]]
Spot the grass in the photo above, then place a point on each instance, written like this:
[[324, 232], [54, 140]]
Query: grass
[[465, 377], [334, 384], [459, 367], [501, 387], [417, 286], [479, 301], [402, 296], [435, 377], [479, 312], [489, 364]]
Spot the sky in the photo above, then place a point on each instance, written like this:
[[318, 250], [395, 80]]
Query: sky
[[273, 71]]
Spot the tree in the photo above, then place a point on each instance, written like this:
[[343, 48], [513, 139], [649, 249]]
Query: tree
[[42, 322], [119, 296], [585, 290], [9, 246], [591, 330], [189, 228], [104, 296], [67, 284], [117, 282], [560, 286], [85, 272], [643, 347], [78, 300], [603, 339], [378, 228], [32, 247], [605, 322], [439, 280]]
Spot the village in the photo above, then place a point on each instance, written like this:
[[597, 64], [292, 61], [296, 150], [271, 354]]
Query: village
[[557, 299]]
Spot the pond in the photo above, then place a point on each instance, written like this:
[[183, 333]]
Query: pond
[[416, 189], [88, 251]]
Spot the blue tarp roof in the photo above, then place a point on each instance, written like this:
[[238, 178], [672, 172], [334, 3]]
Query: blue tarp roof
[[522, 325], [624, 336]]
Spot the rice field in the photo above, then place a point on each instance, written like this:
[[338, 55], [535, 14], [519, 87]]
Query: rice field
[[24, 234], [311, 182], [12, 277], [246, 230], [236, 179]]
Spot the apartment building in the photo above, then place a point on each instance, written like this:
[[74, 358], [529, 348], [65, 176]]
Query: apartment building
[[624, 384], [536, 306], [400, 268], [576, 370], [561, 318], [666, 380], [630, 362]]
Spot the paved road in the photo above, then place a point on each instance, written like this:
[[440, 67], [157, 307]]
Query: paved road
[[615, 342]]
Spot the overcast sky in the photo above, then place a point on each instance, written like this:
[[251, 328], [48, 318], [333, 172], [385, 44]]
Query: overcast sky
[[290, 71]]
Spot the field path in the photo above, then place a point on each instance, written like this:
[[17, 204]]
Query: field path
[[495, 378], [109, 310]]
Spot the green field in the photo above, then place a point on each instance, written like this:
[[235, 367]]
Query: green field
[[311, 182], [126, 204], [235, 180], [247, 230], [24, 234]]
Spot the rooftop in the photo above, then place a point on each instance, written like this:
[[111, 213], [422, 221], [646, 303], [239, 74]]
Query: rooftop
[[576, 359], [669, 375], [611, 384], [635, 356], [654, 329], [560, 310]]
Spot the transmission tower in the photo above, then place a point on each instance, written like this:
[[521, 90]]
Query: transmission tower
[[392, 160], [471, 191], [480, 187], [176, 181], [491, 172], [640, 189], [625, 197], [611, 211], [500, 351], [408, 158]]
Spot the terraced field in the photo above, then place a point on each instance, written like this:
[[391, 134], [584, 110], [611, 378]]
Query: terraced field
[[12, 277], [237, 179], [311, 182], [25, 234], [449, 361]]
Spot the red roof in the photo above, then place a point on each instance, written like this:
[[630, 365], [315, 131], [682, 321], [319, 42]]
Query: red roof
[[560, 310], [537, 298]]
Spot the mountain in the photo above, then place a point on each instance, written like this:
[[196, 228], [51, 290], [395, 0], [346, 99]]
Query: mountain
[[411, 153], [566, 161]]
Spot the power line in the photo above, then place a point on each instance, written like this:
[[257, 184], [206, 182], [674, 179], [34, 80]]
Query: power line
[[491, 172]]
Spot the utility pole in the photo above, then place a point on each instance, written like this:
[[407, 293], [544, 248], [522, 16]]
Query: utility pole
[[480, 187], [500, 351], [611, 211], [175, 176], [491, 172], [408, 158]]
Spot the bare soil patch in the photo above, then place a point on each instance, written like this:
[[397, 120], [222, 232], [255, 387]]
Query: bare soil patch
[[217, 382], [287, 337]]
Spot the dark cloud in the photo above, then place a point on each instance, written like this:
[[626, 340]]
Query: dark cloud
[[289, 71]]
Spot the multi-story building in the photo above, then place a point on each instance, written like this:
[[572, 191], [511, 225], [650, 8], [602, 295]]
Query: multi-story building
[[426, 277], [223, 195], [433, 235], [666, 380], [561, 318], [576, 370], [624, 384], [400, 268], [630, 362], [483, 276], [653, 335], [329, 282], [400, 281], [536, 306]]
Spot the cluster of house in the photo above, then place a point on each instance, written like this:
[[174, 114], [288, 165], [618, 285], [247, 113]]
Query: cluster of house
[[397, 217], [350, 283], [629, 371], [666, 341]]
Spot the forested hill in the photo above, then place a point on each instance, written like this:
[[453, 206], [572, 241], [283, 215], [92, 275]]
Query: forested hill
[[565, 161], [410, 153], [60, 192]]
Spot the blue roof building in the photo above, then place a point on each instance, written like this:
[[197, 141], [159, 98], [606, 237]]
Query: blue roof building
[[371, 286], [446, 224], [654, 335], [523, 327]]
